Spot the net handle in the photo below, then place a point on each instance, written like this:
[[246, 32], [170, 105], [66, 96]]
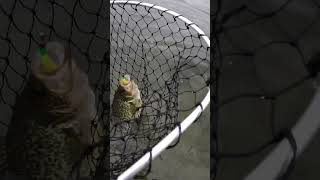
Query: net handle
[[171, 137], [277, 162]]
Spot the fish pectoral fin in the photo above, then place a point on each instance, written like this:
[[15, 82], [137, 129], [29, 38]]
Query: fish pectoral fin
[[129, 97], [131, 100], [138, 113], [136, 102]]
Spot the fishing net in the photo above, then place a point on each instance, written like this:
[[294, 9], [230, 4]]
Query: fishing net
[[165, 55], [169, 60], [263, 80]]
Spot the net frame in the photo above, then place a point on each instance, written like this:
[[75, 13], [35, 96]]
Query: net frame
[[278, 161], [175, 134]]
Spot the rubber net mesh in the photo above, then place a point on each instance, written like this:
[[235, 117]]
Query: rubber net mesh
[[167, 59], [261, 78]]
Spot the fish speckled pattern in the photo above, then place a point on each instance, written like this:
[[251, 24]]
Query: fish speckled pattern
[[58, 162], [50, 127], [43, 150]]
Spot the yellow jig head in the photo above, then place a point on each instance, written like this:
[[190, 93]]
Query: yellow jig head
[[125, 80]]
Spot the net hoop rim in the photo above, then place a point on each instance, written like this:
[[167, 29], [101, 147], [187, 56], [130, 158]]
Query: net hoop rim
[[165, 10], [278, 160], [187, 122]]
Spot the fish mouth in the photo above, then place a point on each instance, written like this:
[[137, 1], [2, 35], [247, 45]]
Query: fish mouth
[[50, 63], [61, 79], [124, 82], [127, 87], [65, 62]]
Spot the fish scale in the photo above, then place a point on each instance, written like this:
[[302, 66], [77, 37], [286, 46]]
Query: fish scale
[[122, 108]]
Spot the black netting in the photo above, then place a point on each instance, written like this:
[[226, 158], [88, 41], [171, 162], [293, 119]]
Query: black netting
[[166, 57], [266, 56], [79, 24]]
